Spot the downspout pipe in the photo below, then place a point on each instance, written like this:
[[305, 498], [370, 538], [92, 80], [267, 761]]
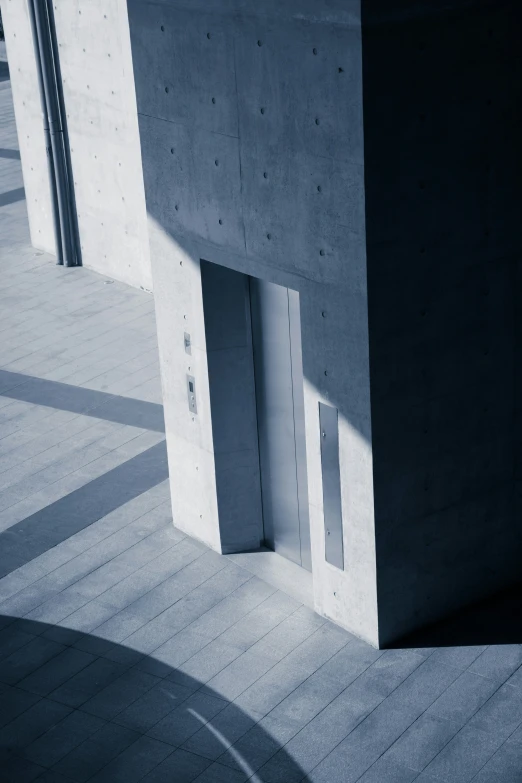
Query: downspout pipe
[[67, 152], [50, 94], [47, 137]]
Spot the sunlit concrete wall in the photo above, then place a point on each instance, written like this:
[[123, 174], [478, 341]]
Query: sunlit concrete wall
[[98, 86], [24, 82], [252, 144]]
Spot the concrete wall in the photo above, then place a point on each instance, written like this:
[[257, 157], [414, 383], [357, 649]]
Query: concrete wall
[[98, 87], [24, 82], [443, 170], [252, 145]]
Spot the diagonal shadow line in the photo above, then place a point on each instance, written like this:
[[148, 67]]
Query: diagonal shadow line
[[12, 154], [48, 527], [88, 402], [11, 196]]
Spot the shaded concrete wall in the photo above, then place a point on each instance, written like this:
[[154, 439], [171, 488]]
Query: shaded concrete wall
[[252, 146], [443, 180], [228, 338], [98, 87]]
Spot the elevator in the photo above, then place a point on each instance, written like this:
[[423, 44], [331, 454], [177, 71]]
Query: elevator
[[254, 355]]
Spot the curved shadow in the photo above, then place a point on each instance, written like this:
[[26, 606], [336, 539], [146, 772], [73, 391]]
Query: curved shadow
[[85, 708]]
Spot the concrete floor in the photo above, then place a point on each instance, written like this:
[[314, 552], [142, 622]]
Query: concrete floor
[[129, 652]]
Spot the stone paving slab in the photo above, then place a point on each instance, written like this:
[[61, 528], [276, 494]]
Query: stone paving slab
[[129, 652]]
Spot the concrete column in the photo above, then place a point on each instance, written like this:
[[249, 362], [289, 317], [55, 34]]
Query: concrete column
[[252, 143], [371, 163], [29, 122], [98, 87]]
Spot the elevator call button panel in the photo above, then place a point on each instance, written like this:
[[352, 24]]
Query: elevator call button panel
[[191, 391]]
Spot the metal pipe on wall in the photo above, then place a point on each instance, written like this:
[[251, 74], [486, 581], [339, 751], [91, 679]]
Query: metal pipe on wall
[[61, 105], [50, 92], [47, 137]]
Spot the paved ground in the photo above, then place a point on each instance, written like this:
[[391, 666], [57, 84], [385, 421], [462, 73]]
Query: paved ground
[[128, 652]]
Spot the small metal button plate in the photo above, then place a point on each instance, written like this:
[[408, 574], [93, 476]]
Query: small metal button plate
[[191, 391], [186, 339]]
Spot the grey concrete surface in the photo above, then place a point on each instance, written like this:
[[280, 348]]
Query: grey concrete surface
[[443, 253], [367, 155], [128, 651], [100, 104], [252, 147]]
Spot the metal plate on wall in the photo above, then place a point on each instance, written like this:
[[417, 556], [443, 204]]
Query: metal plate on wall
[[187, 343], [333, 521], [191, 393]]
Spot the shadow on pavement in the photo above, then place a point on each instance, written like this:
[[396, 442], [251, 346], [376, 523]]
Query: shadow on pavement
[[77, 399], [6, 153], [51, 525], [81, 706], [57, 521], [497, 620], [11, 197]]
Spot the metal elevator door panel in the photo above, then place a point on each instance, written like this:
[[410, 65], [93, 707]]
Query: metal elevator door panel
[[276, 339]]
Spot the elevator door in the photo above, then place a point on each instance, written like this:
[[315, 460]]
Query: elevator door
[[276, 339]]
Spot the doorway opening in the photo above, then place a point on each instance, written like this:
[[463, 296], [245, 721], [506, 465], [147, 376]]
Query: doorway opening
[[253, 335]]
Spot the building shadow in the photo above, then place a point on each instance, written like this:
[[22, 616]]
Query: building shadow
[[77, 713], [49, 526], [12, 196], [496, 620], [10, 154], [87, 402]]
